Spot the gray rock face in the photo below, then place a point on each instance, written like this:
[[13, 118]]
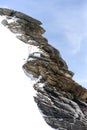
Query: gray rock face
[[62, 101]]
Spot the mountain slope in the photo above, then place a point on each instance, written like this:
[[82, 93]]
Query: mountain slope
[[17, 108], [61, 100]]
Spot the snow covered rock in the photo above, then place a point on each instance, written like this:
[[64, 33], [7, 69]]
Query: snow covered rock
[[61, 100]]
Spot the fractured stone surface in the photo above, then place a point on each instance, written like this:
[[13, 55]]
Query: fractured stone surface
[[62, 101]]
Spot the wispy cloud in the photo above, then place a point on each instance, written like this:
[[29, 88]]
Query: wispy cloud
[[73, 27], [69, 19]]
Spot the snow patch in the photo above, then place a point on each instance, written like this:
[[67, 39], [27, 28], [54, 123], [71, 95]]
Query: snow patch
[[33, 49], [31, 41], [11, 20], [36, 54], [18, 110]]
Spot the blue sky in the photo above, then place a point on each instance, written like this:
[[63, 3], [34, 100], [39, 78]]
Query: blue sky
[[65, 22]]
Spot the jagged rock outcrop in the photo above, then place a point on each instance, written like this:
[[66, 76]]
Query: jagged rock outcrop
[[62, 101]]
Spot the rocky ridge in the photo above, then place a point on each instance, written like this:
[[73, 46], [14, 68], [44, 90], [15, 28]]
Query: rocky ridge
[[62, 101]]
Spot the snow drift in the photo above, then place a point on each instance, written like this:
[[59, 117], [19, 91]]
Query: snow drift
[[17, 108]]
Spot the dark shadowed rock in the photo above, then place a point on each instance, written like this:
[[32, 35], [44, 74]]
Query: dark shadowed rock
[[62, 101]]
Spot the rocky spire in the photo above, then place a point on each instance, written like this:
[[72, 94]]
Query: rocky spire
[[62, 101]]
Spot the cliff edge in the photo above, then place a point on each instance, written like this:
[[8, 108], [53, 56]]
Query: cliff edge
[[61, 100]]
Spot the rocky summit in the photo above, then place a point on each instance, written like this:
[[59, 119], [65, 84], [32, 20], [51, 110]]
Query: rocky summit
[[62, 101]]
